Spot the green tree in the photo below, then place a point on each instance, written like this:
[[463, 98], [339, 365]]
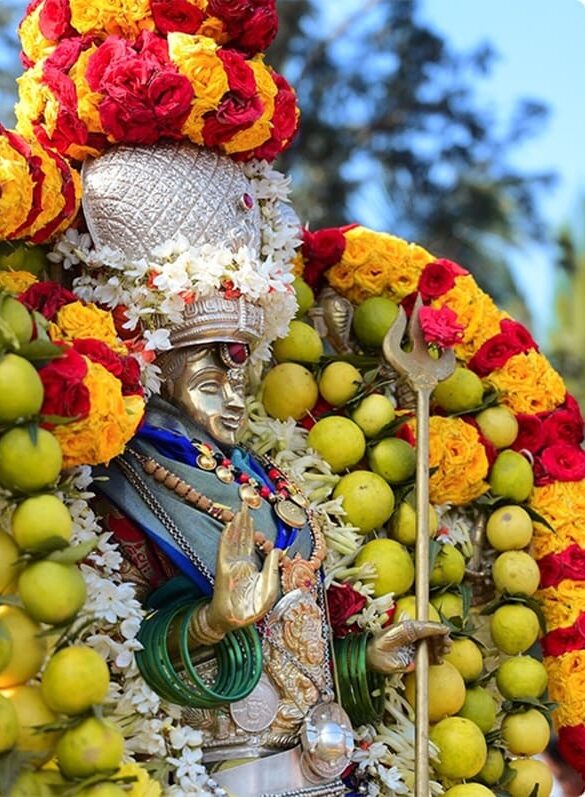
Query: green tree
[[9, 66], [393, 135]]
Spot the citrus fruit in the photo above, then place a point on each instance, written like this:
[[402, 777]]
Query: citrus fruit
[[498, 425], [406, 610], [461, 391], [373, 414], [21, 389], [92, 746], [469, 790], [393, 459], [511, 476], [493, 769], [521, 677], [514, 628], [403, 523], [17, 317], [394, 567], [5, 646], [372, 319], [18, 256], [301, 344], [32, 711], [39, 520], [516, 573], [30, 784], [339, 383], [509, 528], [9, 569], [479, 707], [339, 441], [462, 748], [466, 656], [526, 732], [449, 567], [28, 649], [289, 391], [52, 592], [8, 724], [103, 790], [305, 296], [27, 465], [446, 690], [448, 604], [75, 679], [528, 774], [368, 500]]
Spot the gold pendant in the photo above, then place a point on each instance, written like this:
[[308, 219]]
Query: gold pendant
[[249, 496], [225, 475], [206, 462], [291, 513]]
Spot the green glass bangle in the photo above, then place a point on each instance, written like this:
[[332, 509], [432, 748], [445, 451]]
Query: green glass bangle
[[357, 683], [347, 695]]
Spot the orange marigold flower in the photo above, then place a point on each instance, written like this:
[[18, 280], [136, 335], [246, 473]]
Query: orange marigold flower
[[78, 320], [529, 384], [562, 504], [562, 605], [16, 281], [567, 687]]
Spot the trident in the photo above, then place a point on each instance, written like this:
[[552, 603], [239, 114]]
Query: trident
[[422, 373]]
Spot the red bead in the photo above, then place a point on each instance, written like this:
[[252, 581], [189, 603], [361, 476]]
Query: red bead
[[273, 474], [244, 478], [226, 463], [264, 492]]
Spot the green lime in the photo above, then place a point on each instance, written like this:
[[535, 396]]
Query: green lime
[[393, 459], [368, 500], [372, 320], [289, 391], [511, 476], [305, 296], [461, 391], [301, 344], [339, 441], [339, 383], [394, 567]]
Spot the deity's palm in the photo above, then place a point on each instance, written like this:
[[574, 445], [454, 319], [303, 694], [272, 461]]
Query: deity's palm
[[242, 594]]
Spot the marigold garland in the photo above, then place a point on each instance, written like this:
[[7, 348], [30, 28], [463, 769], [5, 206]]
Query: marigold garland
[[529, 384], [461, 462], [16, 281]]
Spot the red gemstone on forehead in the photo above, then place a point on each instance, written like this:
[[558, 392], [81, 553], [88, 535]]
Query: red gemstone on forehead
[[248, 201], [238, 352]]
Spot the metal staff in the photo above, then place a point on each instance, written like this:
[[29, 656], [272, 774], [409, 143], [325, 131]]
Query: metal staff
[[423, 373]]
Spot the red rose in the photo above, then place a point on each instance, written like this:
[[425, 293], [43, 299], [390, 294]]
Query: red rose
[[176, 15], [530, 434], [113, 49], [562, 426], [233, 12], [571, 405], [564, 462], [440, 326], [494, 354], [130, 377], [240, 76], [570, 563], [55, 20], [259, 31], [408, 303], [563, 640], [325, 246], [453, 267], [572, 746], [343, 602], [519, 334], [66, 54], [285, 121], [406, 432], [46, 298], [99, 352], [321, 408], [436, 279], [65, 393], [235, 113]]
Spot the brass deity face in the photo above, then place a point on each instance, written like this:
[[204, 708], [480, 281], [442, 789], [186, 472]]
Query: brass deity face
[[210, 389]]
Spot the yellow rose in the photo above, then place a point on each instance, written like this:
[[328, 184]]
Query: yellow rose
[[32, 96], [215, 29], [16, 281], [358, 246], [460, 459], [261, 130], [33, 43], [529, 384], [88, 101], [52, 200], [196, 58], [16, 196], [76, 320]]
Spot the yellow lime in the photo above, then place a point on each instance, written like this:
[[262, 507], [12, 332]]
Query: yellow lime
[[516, 572], [9, 569], [514, 628], [302, 344], [28, 465], [521, 677], [91, 747], [373, 414], [449, 567], [368, 501], [461, 391], [449, 604], [289, 391], [305, 296], [52, 592], [40, 519], [511, 476], [32, 711], [28, 649], [498, 425], [18, 256], [493, 769], [526, 733], [8, 724], [469, 790], [446, 690], [528, 774], [466, 656], [462, 748], [21, 389], [403, 523], [480, 707], [394, 459], [394, 567], [17, 317], [372, 320], [30, 784], [339, 383], [509, 528], [339, 441], [75, 679], [406, 610]]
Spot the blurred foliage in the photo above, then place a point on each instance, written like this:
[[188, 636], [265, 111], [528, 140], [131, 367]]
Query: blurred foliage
[[393, 135], [10, 13]]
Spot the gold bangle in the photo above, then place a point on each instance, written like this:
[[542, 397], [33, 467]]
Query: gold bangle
[[200, 631]]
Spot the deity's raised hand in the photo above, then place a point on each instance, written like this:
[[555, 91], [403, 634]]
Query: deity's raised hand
[[393, 649], [242, 594]]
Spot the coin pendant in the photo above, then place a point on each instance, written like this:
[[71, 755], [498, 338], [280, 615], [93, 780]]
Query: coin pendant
[[292, 514], [206, 462], [258, 711], [249, 496], [225, 475]]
